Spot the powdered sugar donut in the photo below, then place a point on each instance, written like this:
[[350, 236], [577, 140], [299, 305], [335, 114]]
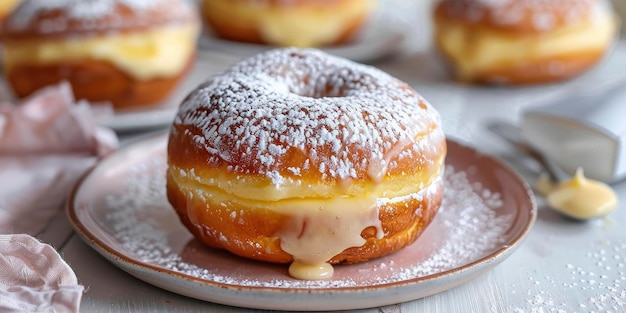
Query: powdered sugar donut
[[523, 41], [129, 52], [299, 156]]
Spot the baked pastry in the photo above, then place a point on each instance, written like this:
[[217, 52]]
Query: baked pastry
[[299, 23], [131, 53], [6, 7], [298, 156], [523, 41]]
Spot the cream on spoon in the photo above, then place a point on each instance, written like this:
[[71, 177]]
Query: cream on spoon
[[577, 197], [580, 197]]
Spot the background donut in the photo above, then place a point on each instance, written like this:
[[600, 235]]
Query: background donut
[[130, 53], [523, 41]]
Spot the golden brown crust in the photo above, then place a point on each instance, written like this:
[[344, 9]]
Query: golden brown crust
[[294, 153], [253, 235], [95, 81], [33, 18], [333, 128], [519, 16], [209, 163]]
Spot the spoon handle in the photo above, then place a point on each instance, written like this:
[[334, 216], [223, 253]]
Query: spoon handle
[[512, 134]]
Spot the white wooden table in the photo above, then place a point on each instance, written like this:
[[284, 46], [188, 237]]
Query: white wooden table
[[562, 266]]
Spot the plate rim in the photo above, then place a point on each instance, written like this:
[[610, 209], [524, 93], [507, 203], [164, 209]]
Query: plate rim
[[127, 263]]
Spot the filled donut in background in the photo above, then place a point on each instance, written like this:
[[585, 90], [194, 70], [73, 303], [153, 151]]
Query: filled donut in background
[[129, 53], [523, 41], [296, 156], [299, 23]]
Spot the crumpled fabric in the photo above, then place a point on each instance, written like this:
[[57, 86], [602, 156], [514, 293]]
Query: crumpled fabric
[[34, 278], [46, 143]]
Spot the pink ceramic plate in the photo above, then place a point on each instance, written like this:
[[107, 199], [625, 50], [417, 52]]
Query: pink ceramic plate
[[120, 209]]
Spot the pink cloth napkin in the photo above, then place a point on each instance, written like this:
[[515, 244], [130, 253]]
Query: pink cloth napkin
[[46, 143], [34, 278]]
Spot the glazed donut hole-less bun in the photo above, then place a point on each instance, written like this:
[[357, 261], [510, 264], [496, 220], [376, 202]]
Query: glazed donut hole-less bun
[[128, 52], [295, 156], [523, 41], [298, 23]]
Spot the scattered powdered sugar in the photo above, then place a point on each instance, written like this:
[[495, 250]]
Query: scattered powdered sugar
[[468, 227], [605, 283], [473, 227], [333, 111]]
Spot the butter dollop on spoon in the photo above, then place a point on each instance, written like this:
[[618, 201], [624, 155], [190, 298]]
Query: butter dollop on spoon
[[577, 197]]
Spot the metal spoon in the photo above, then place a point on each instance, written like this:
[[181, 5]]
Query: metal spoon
[[512, 134], [580, 212]]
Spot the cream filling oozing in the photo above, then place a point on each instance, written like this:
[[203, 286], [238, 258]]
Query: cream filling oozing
[[319, 229], [144, 55], [298, 25], [476, 50]]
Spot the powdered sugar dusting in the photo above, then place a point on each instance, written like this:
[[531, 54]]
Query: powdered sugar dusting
[[466, 228], [603, 282], [90, 14], [333, 111], [542, 14], [473, 228]]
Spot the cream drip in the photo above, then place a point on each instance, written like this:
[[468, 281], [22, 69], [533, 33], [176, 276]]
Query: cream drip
[[319, 229], [311, 272], [378, 169], [316, 234]]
